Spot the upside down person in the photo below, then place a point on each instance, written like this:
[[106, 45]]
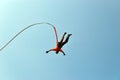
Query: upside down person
[[60, 44]]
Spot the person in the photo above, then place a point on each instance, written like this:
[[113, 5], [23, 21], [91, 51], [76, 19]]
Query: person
[[60, 44]]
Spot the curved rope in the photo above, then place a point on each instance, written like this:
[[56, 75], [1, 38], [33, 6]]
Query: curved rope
[[27, 28]]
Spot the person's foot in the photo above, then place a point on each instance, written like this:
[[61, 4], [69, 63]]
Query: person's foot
[[69, 34], [65, 33]]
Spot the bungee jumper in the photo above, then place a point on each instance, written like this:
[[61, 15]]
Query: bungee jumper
[[59, 45]]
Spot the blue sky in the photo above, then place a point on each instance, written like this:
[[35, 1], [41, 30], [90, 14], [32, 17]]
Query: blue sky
[[93, 51]]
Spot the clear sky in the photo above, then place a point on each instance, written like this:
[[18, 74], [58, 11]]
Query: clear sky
[[92, 53]]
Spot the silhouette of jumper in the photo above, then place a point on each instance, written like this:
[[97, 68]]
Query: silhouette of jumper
[[60, 44]]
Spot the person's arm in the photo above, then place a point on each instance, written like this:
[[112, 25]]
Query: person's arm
[[49, 50], [63, 53]]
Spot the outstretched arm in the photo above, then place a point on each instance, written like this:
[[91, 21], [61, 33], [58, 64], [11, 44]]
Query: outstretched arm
[[63, 53], [49, 50]]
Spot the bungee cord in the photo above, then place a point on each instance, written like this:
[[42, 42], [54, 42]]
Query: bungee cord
[[26, 29]]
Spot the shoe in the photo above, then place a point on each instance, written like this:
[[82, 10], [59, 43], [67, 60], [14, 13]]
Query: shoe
[[65, 33], [69, 34]]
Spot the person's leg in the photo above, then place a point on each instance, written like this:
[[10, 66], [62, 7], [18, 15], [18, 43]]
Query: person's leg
[[66, 40], [63, 37]]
